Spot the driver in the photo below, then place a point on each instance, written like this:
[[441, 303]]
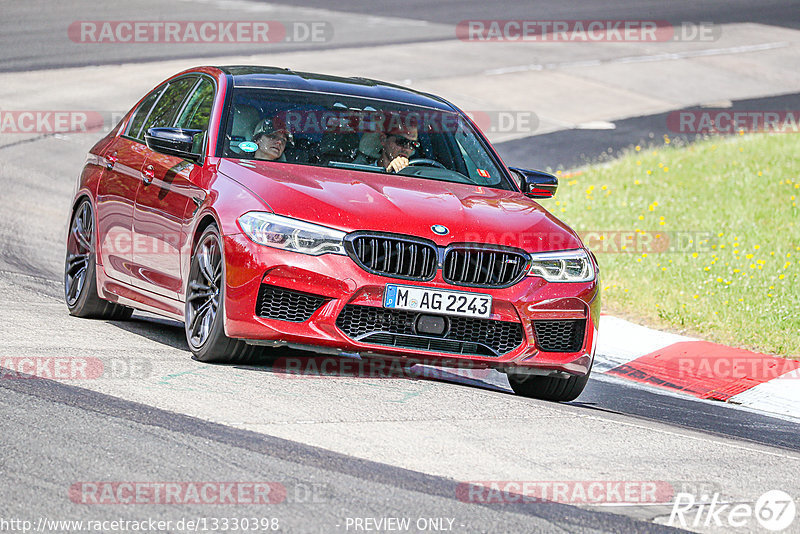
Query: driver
[[397, 145]]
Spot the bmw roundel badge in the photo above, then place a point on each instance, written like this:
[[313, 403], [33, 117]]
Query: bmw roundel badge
[[440, 229]]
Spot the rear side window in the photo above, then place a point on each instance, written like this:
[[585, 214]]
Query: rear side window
[[165, 110], [134, 130]]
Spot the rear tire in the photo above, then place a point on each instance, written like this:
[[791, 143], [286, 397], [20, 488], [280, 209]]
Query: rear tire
[[204, 310], [80, 271], [548, 388]]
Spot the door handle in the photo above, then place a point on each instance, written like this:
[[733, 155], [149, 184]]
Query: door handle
[[111, 159], [198, 201], [148, 174]]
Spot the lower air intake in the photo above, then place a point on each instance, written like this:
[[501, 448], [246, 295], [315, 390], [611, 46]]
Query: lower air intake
[[286, 305], [559, 336]]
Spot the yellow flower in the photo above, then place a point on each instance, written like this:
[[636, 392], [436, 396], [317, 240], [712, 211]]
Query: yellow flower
[[748, 256], [666, 169], [719, 279], [638, 162], [638, 148], [781, 277], [636, 182], [694, 254], [756, 247], [649, 172], [641, 217]]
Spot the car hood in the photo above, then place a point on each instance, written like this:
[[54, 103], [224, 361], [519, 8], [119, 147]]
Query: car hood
[[355, 200]]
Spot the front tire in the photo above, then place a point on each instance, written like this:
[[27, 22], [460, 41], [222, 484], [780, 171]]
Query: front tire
[[204, 309], [80, 271], [548, 388]]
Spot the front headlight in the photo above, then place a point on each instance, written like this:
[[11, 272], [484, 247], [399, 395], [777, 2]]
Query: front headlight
[[563, 266], [291, 234]]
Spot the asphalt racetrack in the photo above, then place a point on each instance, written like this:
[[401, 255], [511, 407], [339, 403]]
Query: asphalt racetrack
[[353, 454]]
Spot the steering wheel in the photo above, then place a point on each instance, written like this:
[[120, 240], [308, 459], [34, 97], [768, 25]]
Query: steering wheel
[[427, 162]]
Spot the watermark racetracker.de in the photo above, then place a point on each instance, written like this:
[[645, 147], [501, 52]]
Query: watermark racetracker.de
[[585, 31], [727, 121], [199, 31], [74, 368]]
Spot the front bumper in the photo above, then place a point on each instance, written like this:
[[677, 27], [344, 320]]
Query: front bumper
[[340, 282]]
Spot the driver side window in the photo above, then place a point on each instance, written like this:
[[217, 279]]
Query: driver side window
[[197, 112]]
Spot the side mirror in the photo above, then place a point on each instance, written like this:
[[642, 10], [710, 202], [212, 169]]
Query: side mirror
[[173, 142], [536, 184]]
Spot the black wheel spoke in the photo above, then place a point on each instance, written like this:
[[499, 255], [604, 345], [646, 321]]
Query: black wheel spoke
[[205, 268], [76, 262], [202, 300], [79, 251], [201, 295]]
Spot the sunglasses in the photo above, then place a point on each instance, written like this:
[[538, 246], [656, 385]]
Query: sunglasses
[[405, 142]]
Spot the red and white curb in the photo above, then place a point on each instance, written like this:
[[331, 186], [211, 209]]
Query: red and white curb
[[700, 368]]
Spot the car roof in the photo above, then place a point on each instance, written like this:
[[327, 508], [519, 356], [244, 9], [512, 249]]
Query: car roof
[[280, 78]]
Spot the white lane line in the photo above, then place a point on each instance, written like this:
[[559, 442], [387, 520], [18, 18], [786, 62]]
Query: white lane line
[[639, 59], [723, 443]]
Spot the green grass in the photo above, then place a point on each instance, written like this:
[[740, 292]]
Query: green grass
[[738, 281]]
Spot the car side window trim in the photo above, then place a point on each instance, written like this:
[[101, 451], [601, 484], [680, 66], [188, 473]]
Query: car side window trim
[[160, 91], [163, 88]]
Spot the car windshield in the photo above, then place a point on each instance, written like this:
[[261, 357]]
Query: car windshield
[[361, 134]]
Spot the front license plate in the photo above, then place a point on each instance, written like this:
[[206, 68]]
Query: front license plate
[[442, 301]]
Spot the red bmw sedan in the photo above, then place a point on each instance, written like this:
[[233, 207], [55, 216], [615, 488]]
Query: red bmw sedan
[[267, 207]]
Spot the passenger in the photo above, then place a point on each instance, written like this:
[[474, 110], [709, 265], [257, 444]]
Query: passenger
[[271, 136]]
